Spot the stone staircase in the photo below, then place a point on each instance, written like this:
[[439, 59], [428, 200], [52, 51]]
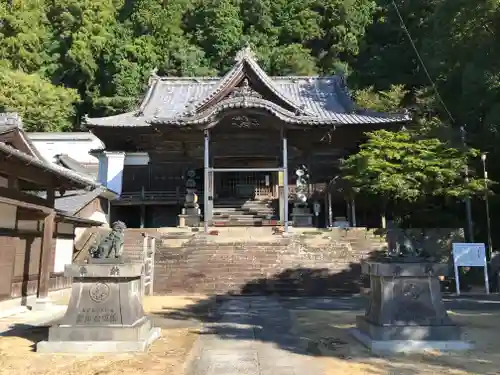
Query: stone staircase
[[244, 213], [133, 243], [324, 263]]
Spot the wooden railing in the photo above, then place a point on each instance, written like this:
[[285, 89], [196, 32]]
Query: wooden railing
[[168, 195], [177, 196], [149, 250]]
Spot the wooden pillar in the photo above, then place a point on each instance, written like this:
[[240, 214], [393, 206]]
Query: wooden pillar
[[330, 211], [285, 181], [46, 261], [143, 216], [325, 198], [348, 210], [353, 212], [207, 214], [152, 266]]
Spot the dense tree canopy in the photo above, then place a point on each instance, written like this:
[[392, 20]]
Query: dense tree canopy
[[61, 59]]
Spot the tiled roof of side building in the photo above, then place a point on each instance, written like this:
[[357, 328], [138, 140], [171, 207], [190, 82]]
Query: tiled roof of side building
[[12, 122], [77, 179], [73, 201], [72, 164]]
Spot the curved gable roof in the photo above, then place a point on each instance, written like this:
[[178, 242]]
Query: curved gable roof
[[308, 100]]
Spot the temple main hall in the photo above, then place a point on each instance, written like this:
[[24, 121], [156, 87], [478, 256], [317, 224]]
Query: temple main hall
[[242, 149]]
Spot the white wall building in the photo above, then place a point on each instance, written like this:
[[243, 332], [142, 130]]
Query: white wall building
[[76, 145]]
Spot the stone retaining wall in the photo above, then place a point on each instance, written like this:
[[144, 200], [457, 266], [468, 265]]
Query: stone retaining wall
[[254, 261]]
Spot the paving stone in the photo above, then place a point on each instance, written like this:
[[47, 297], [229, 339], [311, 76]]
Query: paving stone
[[252, 338]]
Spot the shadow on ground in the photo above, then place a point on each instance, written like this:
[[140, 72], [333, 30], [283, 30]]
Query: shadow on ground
[[289, 311], [29, 332]]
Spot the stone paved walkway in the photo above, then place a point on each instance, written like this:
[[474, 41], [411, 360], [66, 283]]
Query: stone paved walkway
[[252, 337], [31, 318]]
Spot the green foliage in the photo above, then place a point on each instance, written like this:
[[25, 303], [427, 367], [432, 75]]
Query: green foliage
[[62, 59], [403, 166], [383, 101], [107, 49], [43, 106], [25, 34]]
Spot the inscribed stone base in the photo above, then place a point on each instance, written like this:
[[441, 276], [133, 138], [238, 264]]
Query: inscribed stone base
[[409, 332], [41, 304], [408, 346], [105, 311], [99, 346]]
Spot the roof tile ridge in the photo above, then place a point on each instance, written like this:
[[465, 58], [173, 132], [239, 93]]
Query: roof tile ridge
[[153, 84], [270, 83], [185, 78], [237, 68], [296, 77]]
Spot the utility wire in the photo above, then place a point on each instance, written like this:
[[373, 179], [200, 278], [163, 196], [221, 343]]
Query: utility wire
[[403, 25]]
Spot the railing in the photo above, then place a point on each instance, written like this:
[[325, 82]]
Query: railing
[[168, 195], [263, 192], [149, 249], [156, 196]]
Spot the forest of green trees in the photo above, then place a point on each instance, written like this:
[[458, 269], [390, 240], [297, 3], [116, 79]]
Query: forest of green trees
[[62, 59]]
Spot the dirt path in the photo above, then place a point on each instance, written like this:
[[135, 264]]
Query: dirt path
[[328, 337], [258, 335], [167, 355]]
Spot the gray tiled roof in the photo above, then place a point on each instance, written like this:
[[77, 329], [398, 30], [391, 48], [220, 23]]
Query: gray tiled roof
[[76, 179], [70, 163], [11, 122], [317, 99], [74, 200]]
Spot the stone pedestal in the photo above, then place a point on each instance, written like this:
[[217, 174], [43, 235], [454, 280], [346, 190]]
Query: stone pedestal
[[406, 312], [105, 312], [190, 215], [302, 216]]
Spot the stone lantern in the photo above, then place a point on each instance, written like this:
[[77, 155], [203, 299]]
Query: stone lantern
[[301, 214], [191, 213]]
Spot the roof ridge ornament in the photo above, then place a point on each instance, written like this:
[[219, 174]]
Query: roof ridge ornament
[[244, 91], [246, 53]]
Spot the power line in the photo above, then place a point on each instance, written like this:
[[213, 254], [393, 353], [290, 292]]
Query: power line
[[436, 91]]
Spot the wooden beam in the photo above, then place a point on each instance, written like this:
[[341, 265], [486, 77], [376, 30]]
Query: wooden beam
[[46, 256], [26, 214], [22, 171], [20, 199]]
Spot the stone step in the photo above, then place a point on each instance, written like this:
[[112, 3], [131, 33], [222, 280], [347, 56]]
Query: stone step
[[243, 217], [242, 223], [244, 212], [242, 208]]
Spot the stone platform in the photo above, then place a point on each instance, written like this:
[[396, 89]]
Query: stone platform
[[105, 312], [406, 312]]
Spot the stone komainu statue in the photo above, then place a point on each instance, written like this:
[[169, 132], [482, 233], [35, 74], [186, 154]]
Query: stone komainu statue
[[112, 244]]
